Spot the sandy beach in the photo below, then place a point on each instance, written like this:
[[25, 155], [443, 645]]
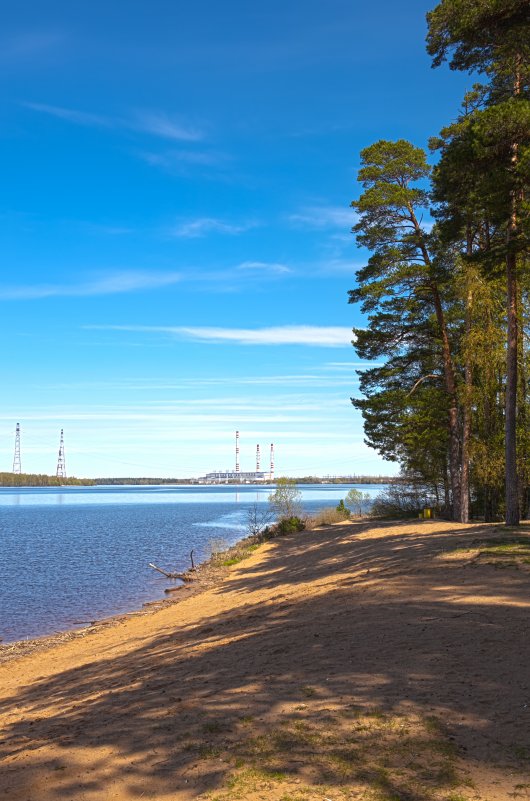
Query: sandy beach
[[368, 661]]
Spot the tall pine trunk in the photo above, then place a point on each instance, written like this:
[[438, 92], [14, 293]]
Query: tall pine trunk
[[510, 419], [466, 422], [450, 386], [449, 379], [510, 431]]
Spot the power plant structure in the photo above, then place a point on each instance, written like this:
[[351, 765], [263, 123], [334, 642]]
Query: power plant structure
[[238, 476]]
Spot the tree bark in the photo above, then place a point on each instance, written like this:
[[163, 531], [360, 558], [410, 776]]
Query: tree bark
[[450, 386], [449, 376], [510, 416], [466, 423]]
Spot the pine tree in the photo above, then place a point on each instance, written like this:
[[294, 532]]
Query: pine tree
[[493, 38], [400, 289]]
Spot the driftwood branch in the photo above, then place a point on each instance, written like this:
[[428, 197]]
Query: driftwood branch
[[420, 381], [169, 575], [192, 562]]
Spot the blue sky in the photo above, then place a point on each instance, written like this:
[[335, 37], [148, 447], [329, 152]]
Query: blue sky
[[175, 225]]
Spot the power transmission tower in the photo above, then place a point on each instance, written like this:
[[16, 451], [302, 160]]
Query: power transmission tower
[[17, 467], [61, 464]]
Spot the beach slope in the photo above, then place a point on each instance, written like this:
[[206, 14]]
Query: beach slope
[[367, 661]]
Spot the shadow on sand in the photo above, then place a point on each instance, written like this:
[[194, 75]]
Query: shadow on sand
[[397, 630]]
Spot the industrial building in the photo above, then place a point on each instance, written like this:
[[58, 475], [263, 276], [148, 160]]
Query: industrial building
[[237, 476], [233, 477]]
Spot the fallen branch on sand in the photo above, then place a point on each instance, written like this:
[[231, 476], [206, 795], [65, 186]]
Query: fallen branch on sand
[[181, 576]]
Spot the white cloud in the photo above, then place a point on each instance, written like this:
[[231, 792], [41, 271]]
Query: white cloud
[[276, 335], [323, 217], [233, 279], [179, 159], [161, 124], [71, 115], [156, 123], [335, 266], [193, 229], [320, 336], [114, 283], [264, 266]]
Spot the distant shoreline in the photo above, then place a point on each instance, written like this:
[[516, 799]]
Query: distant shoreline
[[41, 480]]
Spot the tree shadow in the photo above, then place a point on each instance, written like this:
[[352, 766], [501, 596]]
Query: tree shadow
[[397, 630]]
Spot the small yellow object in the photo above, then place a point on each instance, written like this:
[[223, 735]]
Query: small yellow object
[[427, 514]]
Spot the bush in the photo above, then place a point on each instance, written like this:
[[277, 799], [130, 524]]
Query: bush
[[402, 500], [358, 499], [286, 498], [325, 517], [341, 509], [290, 525], [258, 519]]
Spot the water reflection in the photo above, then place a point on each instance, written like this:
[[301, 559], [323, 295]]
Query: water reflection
[[166, 494]]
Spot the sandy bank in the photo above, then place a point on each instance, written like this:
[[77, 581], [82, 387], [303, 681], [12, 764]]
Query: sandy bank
[[362, 661]]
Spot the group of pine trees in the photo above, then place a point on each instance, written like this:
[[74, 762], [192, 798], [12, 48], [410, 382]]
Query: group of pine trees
[[40, 480], [447, 301]]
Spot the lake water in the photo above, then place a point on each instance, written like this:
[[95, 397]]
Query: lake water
[[70, 555]]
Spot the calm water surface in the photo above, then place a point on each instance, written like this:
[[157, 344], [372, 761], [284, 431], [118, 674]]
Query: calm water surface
[[70, 555]]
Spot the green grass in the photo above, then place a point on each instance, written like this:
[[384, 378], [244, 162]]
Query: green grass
[[316, 753], [505, 551], [234, 555]]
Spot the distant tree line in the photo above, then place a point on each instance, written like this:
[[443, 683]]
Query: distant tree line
[[447, 304], [40, 480], [144, 481], [345, 479], [304, 480]]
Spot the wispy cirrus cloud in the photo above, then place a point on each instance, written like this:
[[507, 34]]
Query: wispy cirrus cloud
[[194, 229], [323, 217], [232, 279], [154, 123], [181, 162], [272, 268], [320, 336], [110, 284], [72, 115], [163, 125]]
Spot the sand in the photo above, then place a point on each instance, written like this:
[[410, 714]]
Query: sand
[[378, 636]]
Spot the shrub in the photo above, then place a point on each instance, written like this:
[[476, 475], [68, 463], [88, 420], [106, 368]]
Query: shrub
[[258, 519], [325, 517], [341, 509], [402, 500], [290, 525], [215, 547], [286, 498], [357, 499]]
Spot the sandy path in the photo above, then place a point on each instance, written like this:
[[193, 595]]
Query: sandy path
[[364, 613]]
